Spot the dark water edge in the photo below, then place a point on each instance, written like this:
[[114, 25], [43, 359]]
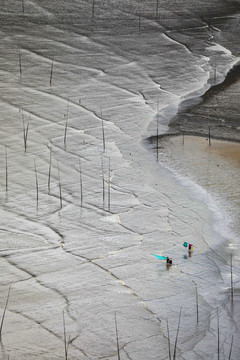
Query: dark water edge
[[217, 110]]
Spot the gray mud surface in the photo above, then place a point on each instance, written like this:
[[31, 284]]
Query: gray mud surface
[[89, 257], [217, 109]]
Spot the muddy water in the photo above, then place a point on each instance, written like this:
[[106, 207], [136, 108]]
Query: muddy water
[[211, 173]]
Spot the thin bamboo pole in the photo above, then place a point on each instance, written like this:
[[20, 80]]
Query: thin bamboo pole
[[51, 74], [26, 136], [60, 187], [109, 186], [230, 352], [36, 177], [81, 183], [118, 351], [218, 336], [25, 133], [4, 313], [66, 126], [157, 138], [209, 136], [20, 64], [6, 168], [49, 170], [215, 72], [169, 343], [68, 343], [175, 346], [157, 126], [103, 184], [65, 339], [65, 134], [197, 304], [231, 281], [103, 137]]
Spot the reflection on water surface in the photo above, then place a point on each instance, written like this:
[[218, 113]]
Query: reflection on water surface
[[215, 168]]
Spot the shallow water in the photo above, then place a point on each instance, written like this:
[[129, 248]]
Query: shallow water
[[215, 168]]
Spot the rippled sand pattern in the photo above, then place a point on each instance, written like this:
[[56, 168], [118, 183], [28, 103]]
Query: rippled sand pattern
[[84, 204]]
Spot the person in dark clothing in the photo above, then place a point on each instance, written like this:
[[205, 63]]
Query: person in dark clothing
[[168, 261]]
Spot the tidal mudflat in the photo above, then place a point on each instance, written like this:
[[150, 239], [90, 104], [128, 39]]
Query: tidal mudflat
[[84, 203]]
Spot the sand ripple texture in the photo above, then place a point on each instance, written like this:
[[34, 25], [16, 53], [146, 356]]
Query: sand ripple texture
[[84, 203]]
